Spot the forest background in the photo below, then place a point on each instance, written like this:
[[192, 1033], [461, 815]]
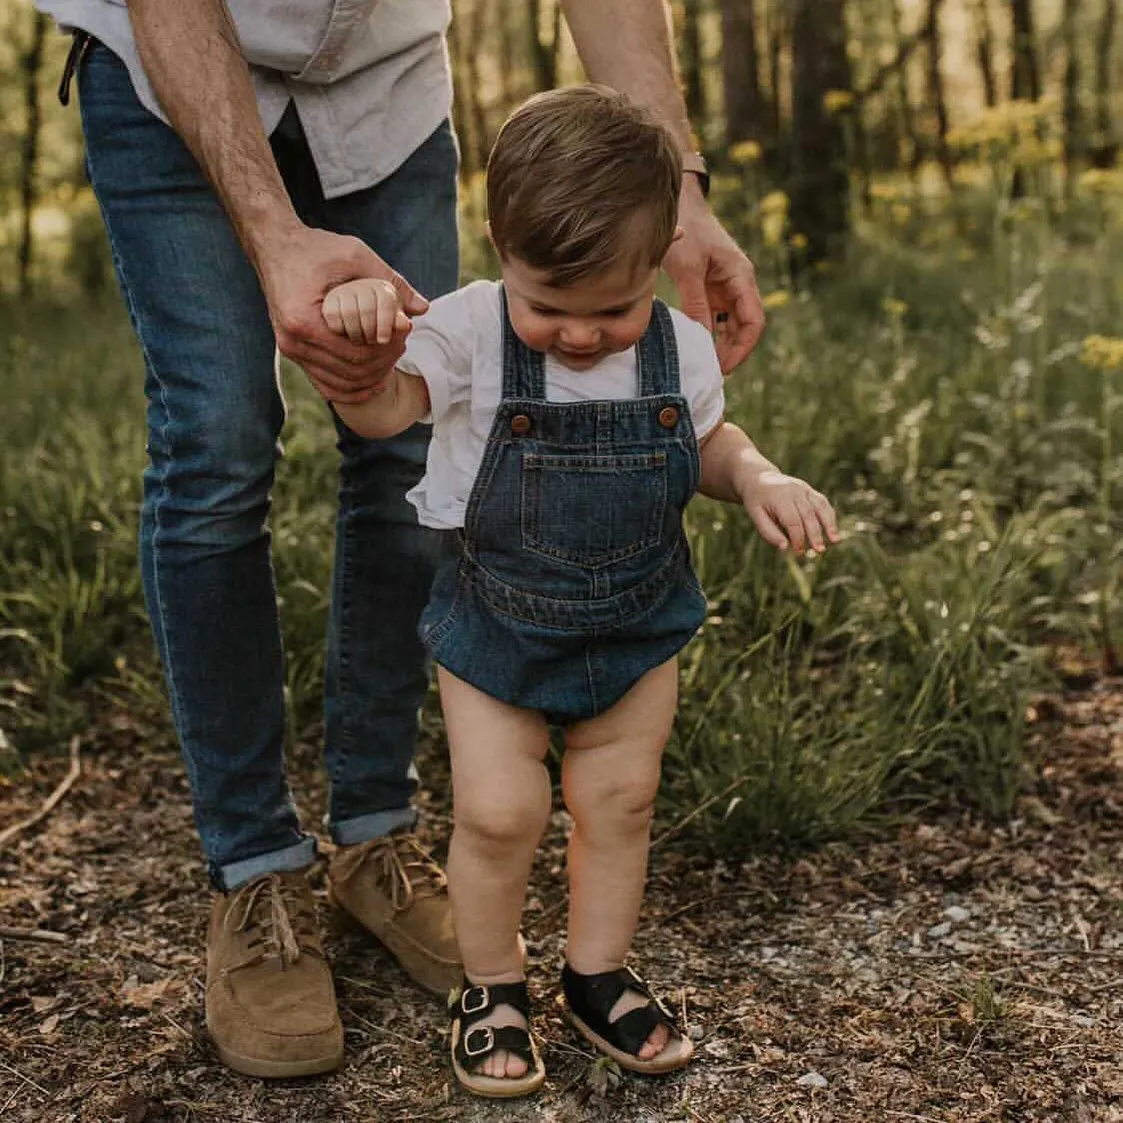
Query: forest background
[[930, 191]]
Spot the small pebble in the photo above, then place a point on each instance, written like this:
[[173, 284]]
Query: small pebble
[[812, 1080], [957, 914], [938, 930]]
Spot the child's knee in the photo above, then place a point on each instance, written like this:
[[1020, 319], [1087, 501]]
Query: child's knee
[[624, 804], [495, 820]]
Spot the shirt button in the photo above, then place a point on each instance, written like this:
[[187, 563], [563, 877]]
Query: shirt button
[[668, 417], [520, 424]]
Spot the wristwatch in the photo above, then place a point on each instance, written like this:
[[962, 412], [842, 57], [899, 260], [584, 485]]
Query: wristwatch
[[696, 163]]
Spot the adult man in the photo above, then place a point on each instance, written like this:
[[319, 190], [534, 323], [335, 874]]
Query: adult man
[[308, 144]]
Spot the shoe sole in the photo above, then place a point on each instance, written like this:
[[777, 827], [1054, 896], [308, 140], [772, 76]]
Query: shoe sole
[[257, 1066]]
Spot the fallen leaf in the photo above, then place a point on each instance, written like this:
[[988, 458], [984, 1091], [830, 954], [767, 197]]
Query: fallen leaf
[[143, 996]]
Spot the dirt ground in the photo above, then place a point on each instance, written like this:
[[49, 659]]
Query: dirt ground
[[953, 971]]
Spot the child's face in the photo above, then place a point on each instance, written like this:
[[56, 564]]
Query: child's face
[[581, 324]]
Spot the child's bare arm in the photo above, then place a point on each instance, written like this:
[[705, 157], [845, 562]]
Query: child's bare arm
[[369, 311], [784, 509], [401, 400]]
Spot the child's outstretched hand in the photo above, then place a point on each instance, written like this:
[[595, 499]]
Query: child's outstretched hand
[[786, 510], [366, 311]]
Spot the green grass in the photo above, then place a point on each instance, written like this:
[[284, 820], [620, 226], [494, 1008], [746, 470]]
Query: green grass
[[972, 455]]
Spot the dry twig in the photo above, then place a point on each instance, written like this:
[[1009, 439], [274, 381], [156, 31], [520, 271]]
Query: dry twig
[[705, 805], [51, 801], [36, 935]]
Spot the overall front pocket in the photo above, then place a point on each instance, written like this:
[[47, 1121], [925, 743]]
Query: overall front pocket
[[593, 510]]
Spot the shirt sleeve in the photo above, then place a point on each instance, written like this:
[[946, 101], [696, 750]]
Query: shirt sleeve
[[439, 350], [700, 374]]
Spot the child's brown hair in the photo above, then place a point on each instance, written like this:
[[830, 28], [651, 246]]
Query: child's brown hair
[[579, 179]]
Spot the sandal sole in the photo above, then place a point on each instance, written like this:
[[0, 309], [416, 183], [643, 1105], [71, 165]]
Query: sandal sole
[[498, 1087], [656, 1066], [501, 1087]]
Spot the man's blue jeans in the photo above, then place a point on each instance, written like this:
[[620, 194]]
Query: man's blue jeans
[[214, 417]]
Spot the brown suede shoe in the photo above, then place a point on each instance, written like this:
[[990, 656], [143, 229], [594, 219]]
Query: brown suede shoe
[[270, 998], [395, 890]]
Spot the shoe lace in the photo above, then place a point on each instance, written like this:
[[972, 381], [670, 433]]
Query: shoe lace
[[278, 918], [401, 865]]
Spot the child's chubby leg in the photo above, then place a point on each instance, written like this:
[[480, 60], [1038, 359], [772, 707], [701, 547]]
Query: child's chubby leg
[[610, 776], [501, 803]]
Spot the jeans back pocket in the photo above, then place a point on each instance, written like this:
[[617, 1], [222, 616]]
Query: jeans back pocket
[[593, 510]]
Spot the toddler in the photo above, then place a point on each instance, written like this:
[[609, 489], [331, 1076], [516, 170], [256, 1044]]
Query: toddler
[[574, 415]]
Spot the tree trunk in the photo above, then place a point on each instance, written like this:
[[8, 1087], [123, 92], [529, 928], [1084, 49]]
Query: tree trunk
[[692, 62], [740, 72], [1073, 118], [909, 144], [1107, 146], [1025, 76], [508, 84], [481, 134], [820, 183], [460, 121], [984, 51], [936, 90], [544, 55], [32, 65], [776, 31]]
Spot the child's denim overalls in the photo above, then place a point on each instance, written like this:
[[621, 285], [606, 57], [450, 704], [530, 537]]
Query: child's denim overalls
[[572, 577]]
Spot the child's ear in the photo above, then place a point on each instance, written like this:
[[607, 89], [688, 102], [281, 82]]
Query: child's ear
[[679, 233]]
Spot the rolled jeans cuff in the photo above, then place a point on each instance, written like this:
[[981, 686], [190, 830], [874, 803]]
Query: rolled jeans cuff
[[291, 858], [378, 823]]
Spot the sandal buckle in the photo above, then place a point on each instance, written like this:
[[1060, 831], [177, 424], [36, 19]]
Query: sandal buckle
[[484, 999], [488, 1035]]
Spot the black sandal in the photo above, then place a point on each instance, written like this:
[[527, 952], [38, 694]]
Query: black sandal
[[589, 999], [471, 1047]]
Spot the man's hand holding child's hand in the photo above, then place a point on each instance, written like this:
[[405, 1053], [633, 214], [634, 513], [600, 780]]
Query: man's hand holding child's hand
[[367, 311], [786, 510]]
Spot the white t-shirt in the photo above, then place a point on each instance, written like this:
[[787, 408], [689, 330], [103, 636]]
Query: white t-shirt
[[457, 347]]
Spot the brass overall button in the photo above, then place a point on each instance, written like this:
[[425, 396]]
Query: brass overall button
[[668, 417], [520, 424]]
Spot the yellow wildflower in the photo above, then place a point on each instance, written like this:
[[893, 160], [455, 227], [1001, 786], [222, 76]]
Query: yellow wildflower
[[1101, 181], [902, 212], [745, 152], [1101, 352], [776, 299], [798, 241], [772, 226], [834, 101], [884, 191], [894, 307], [775, 202]]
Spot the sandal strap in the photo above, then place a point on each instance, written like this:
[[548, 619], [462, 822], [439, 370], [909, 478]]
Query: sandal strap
[[476, 1045], [592, 997], [476, 1001]]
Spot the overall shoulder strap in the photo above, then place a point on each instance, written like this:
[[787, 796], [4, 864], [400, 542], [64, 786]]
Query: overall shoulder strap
[[524, 370], [658, 354]]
